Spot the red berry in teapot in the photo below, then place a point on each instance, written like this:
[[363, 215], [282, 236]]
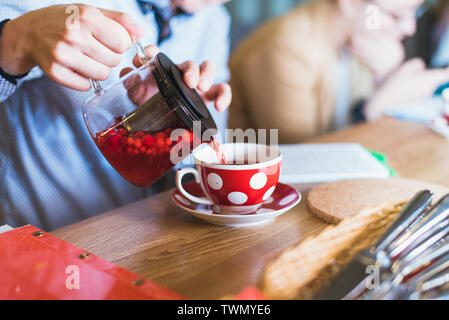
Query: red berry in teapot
[[140, 157]]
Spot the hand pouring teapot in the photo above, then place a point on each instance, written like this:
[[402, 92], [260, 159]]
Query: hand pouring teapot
[[144, 124]]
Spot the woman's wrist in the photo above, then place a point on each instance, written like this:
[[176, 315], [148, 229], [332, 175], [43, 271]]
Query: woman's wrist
[[13, 51]]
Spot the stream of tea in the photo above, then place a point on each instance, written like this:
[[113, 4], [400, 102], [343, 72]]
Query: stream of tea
[[216, 145]]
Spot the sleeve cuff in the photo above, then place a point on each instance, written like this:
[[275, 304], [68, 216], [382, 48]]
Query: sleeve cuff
[[7, 88], [10, 78]]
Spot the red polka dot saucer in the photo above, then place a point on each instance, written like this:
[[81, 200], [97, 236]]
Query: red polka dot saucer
[[283, 199]]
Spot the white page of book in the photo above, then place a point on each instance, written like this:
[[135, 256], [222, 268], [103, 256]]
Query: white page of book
[[317, 163]]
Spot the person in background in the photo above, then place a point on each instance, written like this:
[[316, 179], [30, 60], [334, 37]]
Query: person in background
[[51, 171], [325, 64], [440, 56], [431, 41]]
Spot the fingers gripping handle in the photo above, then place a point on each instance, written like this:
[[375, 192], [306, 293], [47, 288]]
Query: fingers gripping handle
[[142, 57], [179, 175]]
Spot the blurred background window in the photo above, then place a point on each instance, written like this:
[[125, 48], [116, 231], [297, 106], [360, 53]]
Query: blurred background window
[[248, 14]]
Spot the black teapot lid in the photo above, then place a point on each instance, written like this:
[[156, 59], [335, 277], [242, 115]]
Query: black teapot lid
[[171, 84]]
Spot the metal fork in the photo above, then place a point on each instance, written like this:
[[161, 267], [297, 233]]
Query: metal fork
[[423, 257], [414, 212], [421, 235], [424, 274]]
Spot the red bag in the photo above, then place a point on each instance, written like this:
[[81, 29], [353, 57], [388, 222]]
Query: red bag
[[37, 265]]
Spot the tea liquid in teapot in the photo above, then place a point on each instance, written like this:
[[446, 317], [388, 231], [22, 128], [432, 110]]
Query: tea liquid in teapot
[[133, 122]]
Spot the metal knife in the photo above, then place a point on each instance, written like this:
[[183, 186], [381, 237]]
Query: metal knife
[[351, 278], [425, 275], [410, 253]]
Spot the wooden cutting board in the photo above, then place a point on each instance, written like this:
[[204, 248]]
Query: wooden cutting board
[[334, 201]]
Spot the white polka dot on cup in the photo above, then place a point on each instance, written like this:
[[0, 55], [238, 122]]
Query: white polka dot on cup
[[258, 181], [268, 193], [215, 181], [238, 198]]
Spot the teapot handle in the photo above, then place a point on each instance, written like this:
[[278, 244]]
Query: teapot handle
[[142, 57]]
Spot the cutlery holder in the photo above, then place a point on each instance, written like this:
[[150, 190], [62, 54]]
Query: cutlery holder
[[301, 271]]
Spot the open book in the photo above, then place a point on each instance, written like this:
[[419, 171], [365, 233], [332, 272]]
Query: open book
[[317, 163]]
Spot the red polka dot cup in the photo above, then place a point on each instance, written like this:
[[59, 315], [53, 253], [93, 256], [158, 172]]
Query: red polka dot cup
[[241, 185]]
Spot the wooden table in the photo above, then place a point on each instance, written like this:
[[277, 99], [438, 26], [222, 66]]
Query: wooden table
[[155, 239]]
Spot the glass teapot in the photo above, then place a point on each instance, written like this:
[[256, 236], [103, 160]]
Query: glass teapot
[[144, 124]]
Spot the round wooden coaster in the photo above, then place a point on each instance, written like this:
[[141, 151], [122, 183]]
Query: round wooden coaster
[[334, 201]]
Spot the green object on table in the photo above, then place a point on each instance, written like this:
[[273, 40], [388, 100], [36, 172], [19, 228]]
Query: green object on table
[[382, 158], [441, 88]]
